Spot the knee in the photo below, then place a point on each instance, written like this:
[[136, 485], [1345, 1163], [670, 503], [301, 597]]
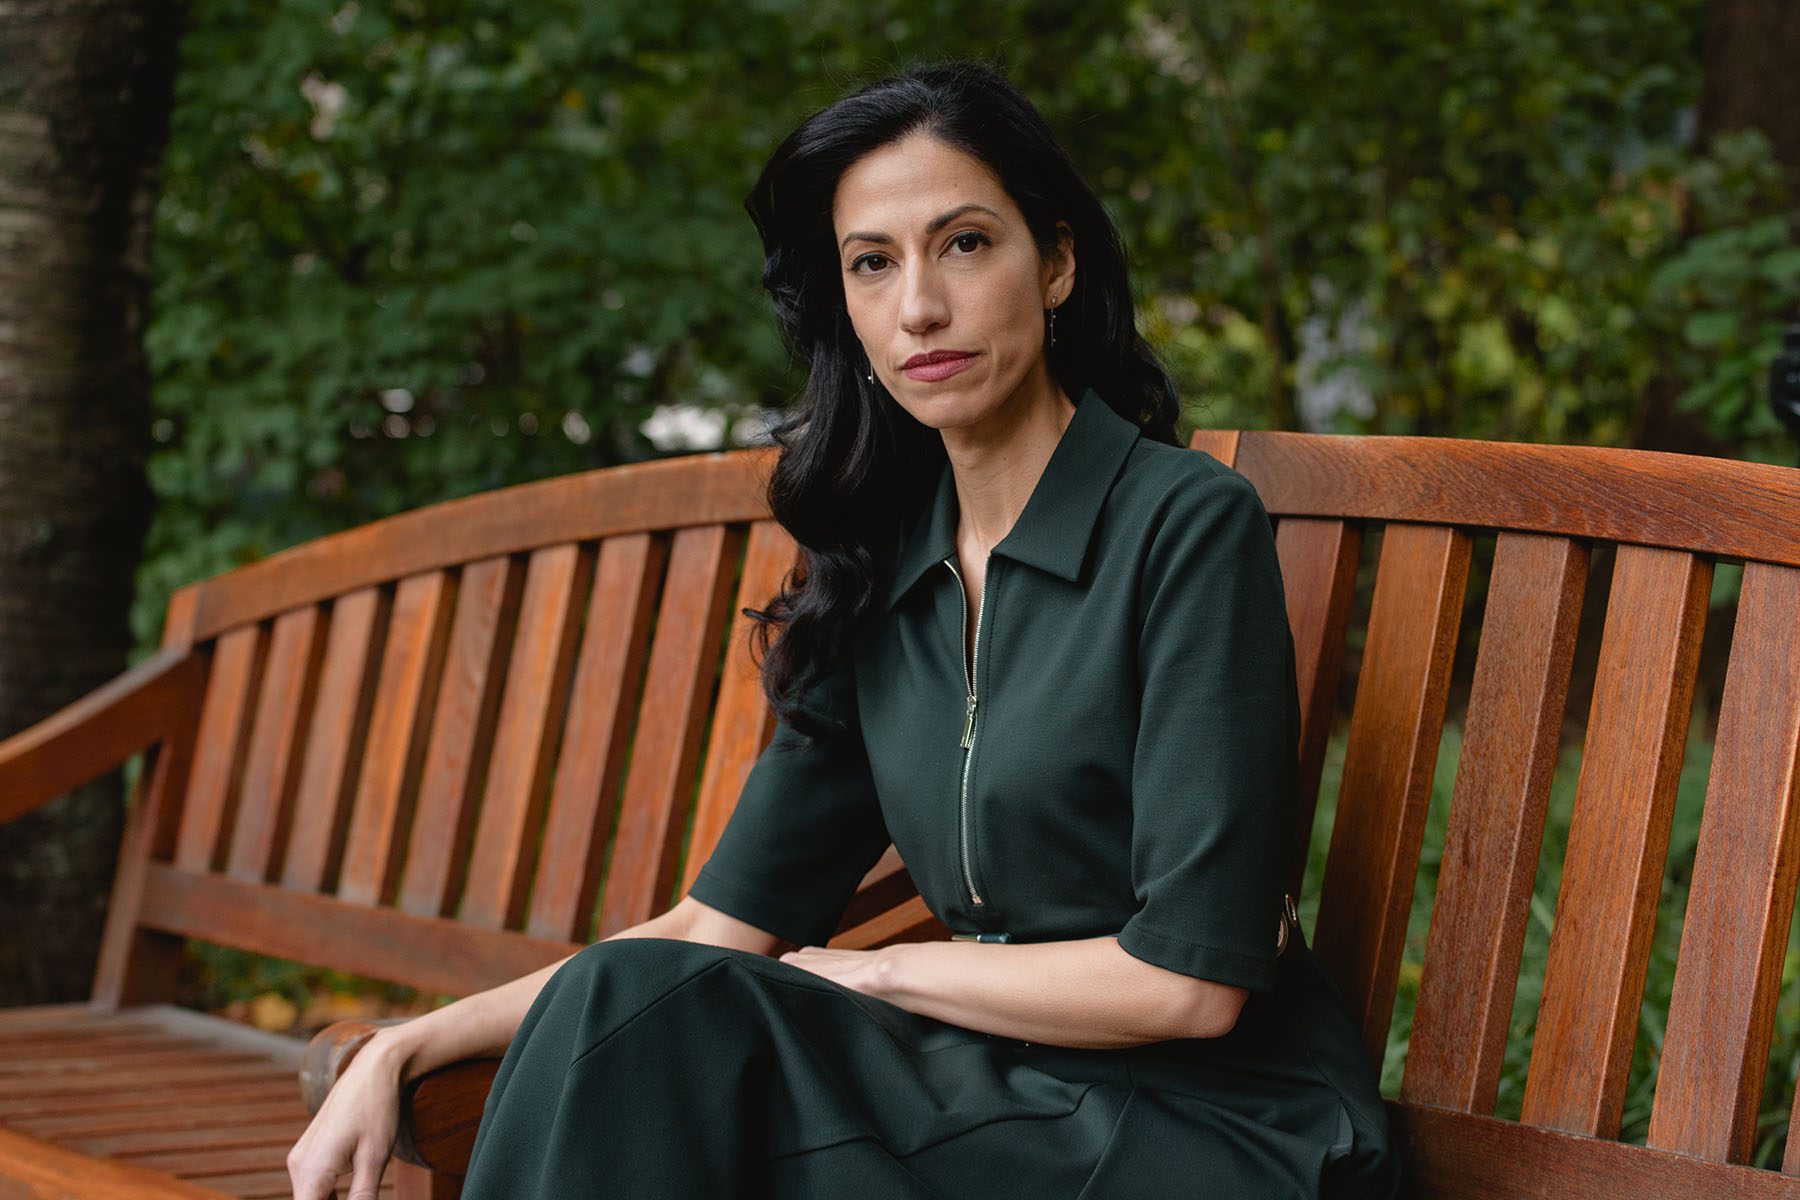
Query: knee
[[645, 960]]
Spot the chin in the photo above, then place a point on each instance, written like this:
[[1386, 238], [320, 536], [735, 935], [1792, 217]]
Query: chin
[[945, 409]]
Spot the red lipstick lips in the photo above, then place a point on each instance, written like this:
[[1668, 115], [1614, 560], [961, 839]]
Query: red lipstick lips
[[937, 364]]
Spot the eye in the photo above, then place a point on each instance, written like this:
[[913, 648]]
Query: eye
[[854, 266], [980, 239]]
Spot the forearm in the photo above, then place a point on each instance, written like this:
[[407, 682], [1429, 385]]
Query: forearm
[[483, 1024], [1087, 993]]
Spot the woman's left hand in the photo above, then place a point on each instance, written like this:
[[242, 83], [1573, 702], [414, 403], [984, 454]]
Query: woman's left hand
[[867, 971]]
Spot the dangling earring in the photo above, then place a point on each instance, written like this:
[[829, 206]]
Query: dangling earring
[[871, 372], [1053, 324]]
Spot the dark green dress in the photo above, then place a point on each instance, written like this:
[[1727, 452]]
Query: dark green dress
[[1121, 762]]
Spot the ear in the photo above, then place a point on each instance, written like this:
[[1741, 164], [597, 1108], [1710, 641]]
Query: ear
[[1059, 279]]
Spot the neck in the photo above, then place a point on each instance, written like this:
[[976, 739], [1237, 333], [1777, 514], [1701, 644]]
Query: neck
[[997, 462]]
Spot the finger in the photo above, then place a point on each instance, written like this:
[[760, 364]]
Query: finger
[[311, 1184], [366, 1180]]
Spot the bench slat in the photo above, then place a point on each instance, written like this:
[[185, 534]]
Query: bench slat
[[608, 675], [33, 1168], [55, 1045], [1496, 826], [333, 744], [1318, 571], [1733, 939], [224, 722], [430, 953], [251, 1185], [1395, 727], [259, 1147], [557, 580], [462, 731], [388, 780], [646, 497], [1454, 1156], [128, 1078], [665, 752], [1681, 501], [154, 1114], [33, 1020], [743, 722], [108, 1058], [273, 758], [1618, 839]]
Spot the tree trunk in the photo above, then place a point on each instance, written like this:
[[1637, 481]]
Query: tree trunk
[[1748, 81], [85, 93], [1751, 77]]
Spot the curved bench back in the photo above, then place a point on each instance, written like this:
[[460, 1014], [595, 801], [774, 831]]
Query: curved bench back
[[420, 757], [1668, 520]]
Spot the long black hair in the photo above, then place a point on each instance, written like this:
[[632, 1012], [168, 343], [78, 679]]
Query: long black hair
[[853, 463]]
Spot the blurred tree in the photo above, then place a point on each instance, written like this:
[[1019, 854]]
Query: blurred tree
[[84, 104], [1751, 81], [414, 250], [1736, 267]]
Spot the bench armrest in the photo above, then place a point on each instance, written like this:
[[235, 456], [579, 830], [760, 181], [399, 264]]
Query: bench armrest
[[85, 739], [440, 1111]]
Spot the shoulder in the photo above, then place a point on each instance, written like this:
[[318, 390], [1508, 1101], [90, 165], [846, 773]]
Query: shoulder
[[1164, 490], [1199, 533]]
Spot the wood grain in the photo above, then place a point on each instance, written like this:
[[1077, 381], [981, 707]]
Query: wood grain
[[510, 826], [462, 735], [332, 751], [743, 722], [660, 496], [1645, 497], [1715, 1050], [1618, 837], [225, 715], [1497, 811], [434, 954], [277, 743], [411, 666], [1318, 571], [1395, 727], [1454, 1156], [596, 734], [665, 753]]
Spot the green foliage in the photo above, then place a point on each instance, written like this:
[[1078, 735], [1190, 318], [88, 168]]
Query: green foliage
[[405, 252]]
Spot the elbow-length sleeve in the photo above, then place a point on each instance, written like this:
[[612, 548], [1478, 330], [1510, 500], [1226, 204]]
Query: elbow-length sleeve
[[807, 826], [1213, 789]]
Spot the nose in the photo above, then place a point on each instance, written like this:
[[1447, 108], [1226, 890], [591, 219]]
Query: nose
[[923, 303]]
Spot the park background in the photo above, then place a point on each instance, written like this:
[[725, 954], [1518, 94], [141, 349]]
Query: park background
[[341, 259]]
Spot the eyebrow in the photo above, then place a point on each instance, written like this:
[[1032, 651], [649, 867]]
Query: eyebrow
[[937, 223]]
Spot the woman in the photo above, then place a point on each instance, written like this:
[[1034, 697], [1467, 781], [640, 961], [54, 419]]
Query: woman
[[1042, 649]]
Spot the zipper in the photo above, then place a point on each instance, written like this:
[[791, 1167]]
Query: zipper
[[968, 731]]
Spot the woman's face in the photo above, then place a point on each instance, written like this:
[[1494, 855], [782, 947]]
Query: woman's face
[[936, 257]]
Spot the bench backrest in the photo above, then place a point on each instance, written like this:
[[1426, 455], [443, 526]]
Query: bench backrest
[[1670, 518], [418, 751], [419, 755]]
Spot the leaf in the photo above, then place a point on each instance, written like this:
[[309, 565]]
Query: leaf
[[1710, 328]]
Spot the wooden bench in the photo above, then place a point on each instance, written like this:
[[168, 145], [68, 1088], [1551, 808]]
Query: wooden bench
[[357, 757]]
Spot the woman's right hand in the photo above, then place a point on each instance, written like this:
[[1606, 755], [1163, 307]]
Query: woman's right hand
[[353, 1132]]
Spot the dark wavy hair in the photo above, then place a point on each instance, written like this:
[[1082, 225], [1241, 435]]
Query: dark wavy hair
[[853, 463]]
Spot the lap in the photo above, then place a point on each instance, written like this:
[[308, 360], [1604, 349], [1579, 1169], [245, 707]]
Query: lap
[[647, 1062]]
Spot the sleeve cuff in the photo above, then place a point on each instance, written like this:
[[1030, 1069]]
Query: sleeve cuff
[[1253, 971], [746, 903]]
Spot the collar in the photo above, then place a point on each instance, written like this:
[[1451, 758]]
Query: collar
[[1057, 522]]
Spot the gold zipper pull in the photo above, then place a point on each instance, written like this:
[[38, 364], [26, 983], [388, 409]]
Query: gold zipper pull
[[968, 734]]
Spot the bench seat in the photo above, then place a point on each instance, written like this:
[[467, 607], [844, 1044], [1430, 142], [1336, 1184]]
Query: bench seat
[[175, 1103]]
